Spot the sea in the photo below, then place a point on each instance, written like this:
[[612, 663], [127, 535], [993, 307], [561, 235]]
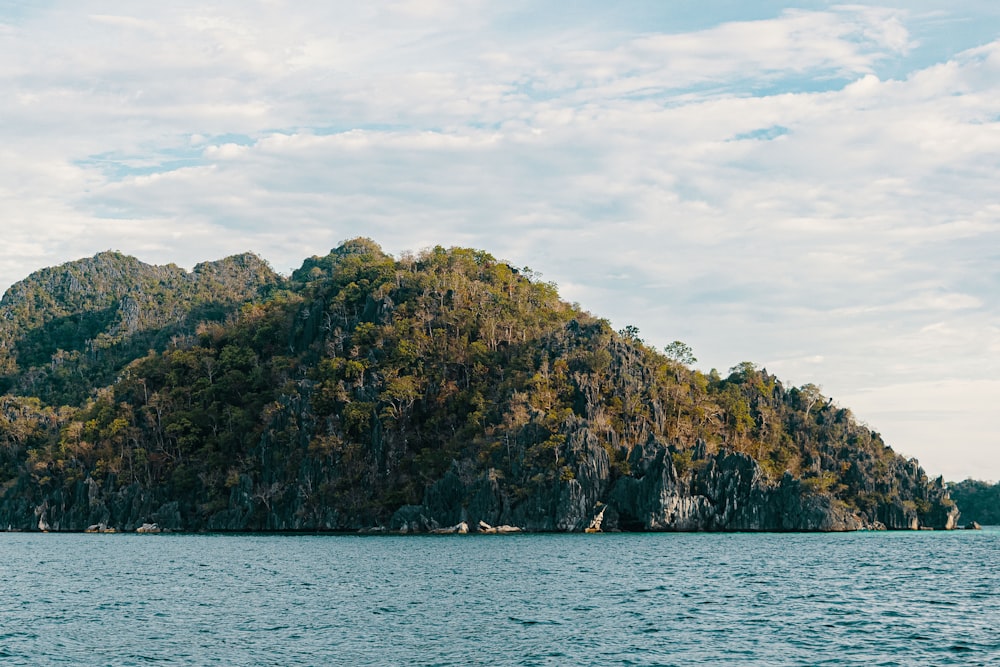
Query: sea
[[870, 598]]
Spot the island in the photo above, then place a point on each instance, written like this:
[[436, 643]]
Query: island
[[440, 391]]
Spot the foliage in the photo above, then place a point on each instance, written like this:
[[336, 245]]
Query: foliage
[[68, 329], [977, 501], [680, 352]]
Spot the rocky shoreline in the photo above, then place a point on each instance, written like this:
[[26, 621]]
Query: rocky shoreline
[[726, 492]]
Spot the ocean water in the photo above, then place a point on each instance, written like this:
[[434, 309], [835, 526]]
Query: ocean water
[[900, 598]]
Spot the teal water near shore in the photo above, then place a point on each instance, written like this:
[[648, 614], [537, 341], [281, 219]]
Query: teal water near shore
[[906, 598]]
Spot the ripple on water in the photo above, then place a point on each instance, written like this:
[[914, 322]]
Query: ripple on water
[[864, 599]]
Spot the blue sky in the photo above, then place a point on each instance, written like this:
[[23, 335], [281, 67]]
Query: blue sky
[[811, 187]]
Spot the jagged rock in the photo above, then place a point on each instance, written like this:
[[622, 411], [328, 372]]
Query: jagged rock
[[410, 519], [168, 516], [721, 491], [486, 500], [897, 516], [506, 530], [724, 491], [460, 528], [941, 517], [973, 525], [148, 528], [487, 529], [595, 523], [444, 500], [99, 528]]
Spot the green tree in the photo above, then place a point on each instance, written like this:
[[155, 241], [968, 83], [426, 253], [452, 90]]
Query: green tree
[[811, 394], [680, 352]]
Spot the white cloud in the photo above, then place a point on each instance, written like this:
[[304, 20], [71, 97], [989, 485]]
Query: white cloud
[[947, 424], [761, 189]]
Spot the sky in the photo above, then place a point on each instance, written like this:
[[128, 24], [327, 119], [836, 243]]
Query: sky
[[812, 187]]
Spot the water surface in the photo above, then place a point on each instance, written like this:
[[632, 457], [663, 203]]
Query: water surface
[[899, 598]]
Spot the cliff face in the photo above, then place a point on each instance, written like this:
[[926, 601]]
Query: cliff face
[[728, 492], [416, 395]]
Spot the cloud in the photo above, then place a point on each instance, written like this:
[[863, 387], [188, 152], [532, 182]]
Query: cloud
[[946, 424], [782, 190]]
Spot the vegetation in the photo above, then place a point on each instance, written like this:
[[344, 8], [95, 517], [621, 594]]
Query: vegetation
[[344, 392], [69, 329], [978, 501]]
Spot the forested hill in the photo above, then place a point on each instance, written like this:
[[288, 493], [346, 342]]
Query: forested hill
[[69, 329], [409, 394]]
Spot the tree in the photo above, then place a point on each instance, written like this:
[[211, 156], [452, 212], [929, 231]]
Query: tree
[[680, 352], [811, 395], [631, 333], [743, 370]]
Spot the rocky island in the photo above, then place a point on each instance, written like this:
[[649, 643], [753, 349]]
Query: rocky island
[[435, 391]]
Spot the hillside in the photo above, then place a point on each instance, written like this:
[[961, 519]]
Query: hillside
[[979, 501], [407, 394], [68, 329]]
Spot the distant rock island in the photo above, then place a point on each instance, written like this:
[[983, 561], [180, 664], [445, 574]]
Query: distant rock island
[[979, 502], [441, 391]]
